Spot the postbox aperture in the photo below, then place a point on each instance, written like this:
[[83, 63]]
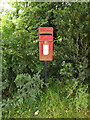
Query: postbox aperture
[[46, 43]]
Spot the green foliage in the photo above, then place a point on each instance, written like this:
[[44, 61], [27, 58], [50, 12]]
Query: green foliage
[[27, 91], [51, 104], [68, 73], [28, 87], [67, 70]]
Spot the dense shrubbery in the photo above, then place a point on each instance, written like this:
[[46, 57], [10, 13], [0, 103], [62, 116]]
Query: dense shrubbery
[[27, 89], [22, 72]]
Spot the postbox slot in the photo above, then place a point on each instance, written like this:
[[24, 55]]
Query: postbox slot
[[45, 34]]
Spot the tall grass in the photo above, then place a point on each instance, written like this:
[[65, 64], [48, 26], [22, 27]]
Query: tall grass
[[51, 104]]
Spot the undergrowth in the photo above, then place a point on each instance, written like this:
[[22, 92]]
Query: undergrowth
[[50, 104]]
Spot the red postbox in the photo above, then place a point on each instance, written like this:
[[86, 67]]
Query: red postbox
[[46, 43]]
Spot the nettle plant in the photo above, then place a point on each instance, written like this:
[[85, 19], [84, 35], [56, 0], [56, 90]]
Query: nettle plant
[[28, 88]]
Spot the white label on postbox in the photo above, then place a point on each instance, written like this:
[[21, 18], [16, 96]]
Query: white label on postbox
[[45, 49]]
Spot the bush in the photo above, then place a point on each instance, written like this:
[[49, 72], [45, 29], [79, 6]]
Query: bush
[[27, 91]]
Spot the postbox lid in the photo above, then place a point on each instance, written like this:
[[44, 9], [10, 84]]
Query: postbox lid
[[46, 31]]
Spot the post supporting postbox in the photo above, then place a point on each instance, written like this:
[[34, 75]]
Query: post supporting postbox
[[45, 71]]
